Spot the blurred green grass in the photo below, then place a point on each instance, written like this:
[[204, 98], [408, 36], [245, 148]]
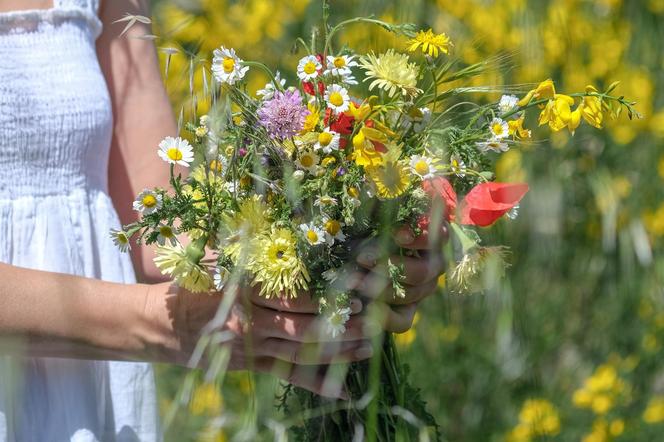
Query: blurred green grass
[[585, 288]]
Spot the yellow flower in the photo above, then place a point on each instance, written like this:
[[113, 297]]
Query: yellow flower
[[545, 90], [238, 231], [516, 129], [391, 72], [654, 412], [558, 114], [392, 177], [540, 417], [311, 120], [276, 265], [182, 264], [364, 151], [592, 109], [206, 399], [431, 43]]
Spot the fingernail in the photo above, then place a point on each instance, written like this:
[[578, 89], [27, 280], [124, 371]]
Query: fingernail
[[404, 237], [367, 259], [364, 352], [355, 306]]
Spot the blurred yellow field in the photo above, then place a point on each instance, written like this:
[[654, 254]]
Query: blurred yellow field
[[568, 346]]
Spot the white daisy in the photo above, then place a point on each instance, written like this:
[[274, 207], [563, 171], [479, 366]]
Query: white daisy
[[333, 231], [308, 160], [176, 151], [313, 234], [166, 233], [507, 103], [340, 66], [147, 201], [458, 166], [325, 200], [423, 167], [221, 276], [337, 98], [336, 321], [267, 93], [227, 67], [308, 67], [499, 129], [121, 240], [493, 144], [328, 140]]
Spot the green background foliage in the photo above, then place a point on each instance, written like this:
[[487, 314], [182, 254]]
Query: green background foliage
[[585, 287]]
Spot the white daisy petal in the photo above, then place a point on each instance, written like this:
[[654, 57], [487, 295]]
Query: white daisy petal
[[337, 98], [147, 201], [227, 67], [176, 151]]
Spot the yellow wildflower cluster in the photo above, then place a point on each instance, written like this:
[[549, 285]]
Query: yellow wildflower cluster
[[538, 417], [654, 412], [601, 391], [605, 431]]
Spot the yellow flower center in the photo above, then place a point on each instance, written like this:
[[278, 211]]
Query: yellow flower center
[[336, 99], [122, 238], [309, 68], [312, 236], [174, 154], [421, 167], [339, 62], [498, 128], [306, 160], [149, 201], [325, 138], [332, 227], [166, 231], [228, 64]]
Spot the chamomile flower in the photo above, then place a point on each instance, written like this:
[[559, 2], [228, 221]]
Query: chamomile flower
[[221, 276], [457, 166], [166, 233], [507, 103], [308, 67], [499, 129], [493, 144], [121, 240], [147, 201], [337, 98], [328, 140], [313, 234], [308, 160], [333, 231], [201, 131], [227, 67], [336, 321], [269, 89], [340, 66], [422, 166], [325, 201], [176, 151]]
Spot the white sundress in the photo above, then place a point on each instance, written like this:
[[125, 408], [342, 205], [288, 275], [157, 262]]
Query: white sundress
[[55, 215]]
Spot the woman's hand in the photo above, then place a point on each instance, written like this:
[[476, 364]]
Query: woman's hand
[[277, 336], [421, 261]]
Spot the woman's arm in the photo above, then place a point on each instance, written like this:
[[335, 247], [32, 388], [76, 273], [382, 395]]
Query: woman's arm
[[142, 117]]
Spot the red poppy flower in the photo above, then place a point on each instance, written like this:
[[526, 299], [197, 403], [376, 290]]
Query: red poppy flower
[[308, 87], [487, 202], [439, 188]]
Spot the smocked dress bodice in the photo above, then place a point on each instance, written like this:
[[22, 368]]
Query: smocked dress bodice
[[55, 214]]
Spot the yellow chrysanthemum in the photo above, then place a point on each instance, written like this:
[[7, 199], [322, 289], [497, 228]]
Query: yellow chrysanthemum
[[276, 265], [392, 177], [239, 230], [180, 264], [430, 43], [391, 72], [311, 120], [364, 151]]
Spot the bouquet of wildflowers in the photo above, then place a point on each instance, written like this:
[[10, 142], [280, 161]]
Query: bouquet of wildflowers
[[286, 182]]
